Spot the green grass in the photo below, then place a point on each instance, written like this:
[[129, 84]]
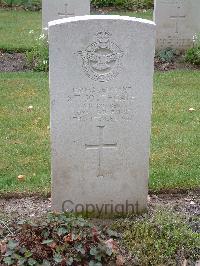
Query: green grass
[[175, 134], [145, 15], [25, 137], [15, 27], [164, 238]]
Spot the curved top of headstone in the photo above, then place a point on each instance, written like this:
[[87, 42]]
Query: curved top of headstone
[[100, 17]]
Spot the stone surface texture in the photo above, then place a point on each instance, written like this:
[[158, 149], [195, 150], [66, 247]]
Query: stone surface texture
[[52, 9], [176, 23], [101, 79]]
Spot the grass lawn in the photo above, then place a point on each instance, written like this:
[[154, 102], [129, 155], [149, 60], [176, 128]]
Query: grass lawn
[[25, 135], [148, 14], [15, 27], [175, 141]]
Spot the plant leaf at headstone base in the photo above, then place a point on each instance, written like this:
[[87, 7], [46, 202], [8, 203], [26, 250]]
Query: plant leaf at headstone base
[[58, 258], [48, 241], [32, 262], [8, 261], [93, 263], [12, 244]]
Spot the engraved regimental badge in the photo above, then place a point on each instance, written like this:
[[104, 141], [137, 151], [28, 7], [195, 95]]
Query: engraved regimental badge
[[102, 58]]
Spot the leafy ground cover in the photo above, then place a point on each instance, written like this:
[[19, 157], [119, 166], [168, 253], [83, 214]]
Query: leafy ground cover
[[58, 239], [25, 149], [16, 25], [160, 237]]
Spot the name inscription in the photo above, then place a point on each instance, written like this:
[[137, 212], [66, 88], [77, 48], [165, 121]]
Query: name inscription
[[173, 42], [109, 104]]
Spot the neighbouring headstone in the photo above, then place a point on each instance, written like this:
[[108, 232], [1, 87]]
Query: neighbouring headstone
[[177, 21], [101, 72], [57, 9]]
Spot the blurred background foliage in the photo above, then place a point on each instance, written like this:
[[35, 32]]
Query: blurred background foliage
[[120, 4]]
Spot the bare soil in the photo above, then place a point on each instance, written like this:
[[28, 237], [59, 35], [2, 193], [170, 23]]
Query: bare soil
[[178, 63], [13, 62], [16, 62]]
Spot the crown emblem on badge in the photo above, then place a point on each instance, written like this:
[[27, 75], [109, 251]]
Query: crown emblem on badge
[[103, 37], [102, 58]]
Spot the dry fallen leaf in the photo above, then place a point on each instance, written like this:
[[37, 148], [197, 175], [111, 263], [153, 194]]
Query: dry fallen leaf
[[111, 244], [120, 260], [53, 245], [68, 238], [184, 262], [21, 177], [3, 247]]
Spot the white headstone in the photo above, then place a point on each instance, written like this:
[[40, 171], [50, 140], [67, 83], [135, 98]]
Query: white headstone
[[101, 72], [177, 21], [57, 9]]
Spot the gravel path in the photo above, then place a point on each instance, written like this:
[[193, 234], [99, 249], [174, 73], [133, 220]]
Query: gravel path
[[188, 203], [24, 207]]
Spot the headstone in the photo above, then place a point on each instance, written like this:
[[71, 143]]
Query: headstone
[[57, 9], [101, 72], [177, 21]]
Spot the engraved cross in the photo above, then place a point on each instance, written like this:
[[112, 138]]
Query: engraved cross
[[65, 14], [178, 18], [100, 146]]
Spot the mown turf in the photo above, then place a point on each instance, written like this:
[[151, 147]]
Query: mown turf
[[25, 135], [146, 14], [175, 145], [164, 238], [16, 25]]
